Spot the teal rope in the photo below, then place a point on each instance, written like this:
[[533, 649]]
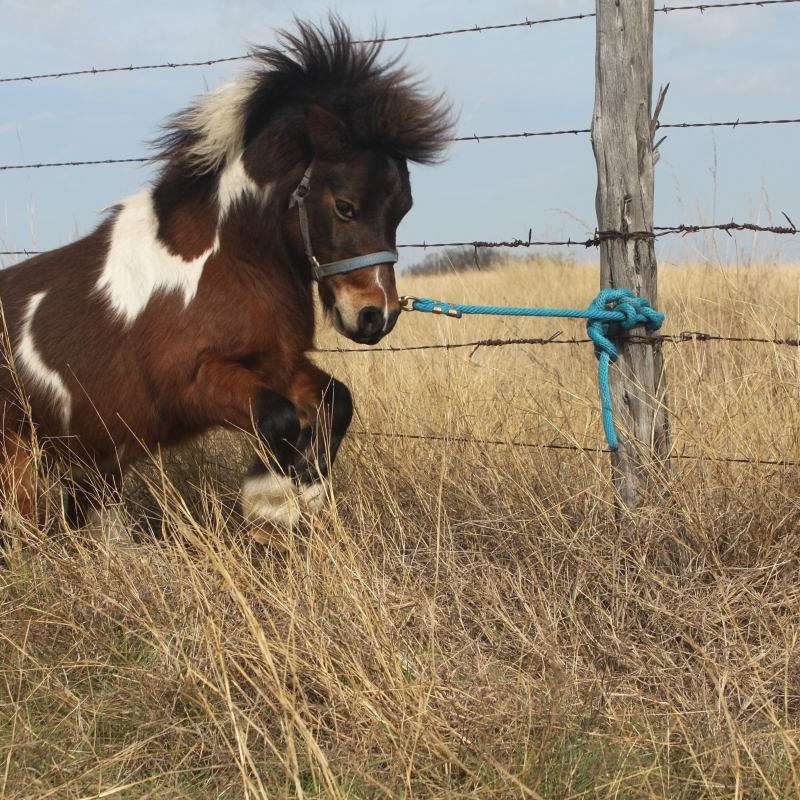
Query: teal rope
[[611, 313]]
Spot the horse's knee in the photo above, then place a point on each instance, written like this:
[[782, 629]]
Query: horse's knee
[[338, 403]]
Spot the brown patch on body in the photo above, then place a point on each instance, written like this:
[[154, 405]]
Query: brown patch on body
[[188, 212]]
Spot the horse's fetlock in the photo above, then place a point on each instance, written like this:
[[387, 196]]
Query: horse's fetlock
[[280, 500], [271, 497]]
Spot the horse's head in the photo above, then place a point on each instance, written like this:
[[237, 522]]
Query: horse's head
[[321, 133], [349, 205]]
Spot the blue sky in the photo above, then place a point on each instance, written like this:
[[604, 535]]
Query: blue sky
[[721, 65]]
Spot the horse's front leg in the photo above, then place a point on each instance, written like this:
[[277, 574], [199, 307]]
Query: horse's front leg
[[302, 434], [326, 408]]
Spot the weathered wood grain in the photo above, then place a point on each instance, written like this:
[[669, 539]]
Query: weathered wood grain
[[623, 146]]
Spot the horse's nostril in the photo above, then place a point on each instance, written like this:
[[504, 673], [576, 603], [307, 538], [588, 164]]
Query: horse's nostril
[[370, 321]]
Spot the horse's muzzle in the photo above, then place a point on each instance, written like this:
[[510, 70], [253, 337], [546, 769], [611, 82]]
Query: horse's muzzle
[[372, 324]]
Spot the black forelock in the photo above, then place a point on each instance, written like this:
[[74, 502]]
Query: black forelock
[[382, 106]]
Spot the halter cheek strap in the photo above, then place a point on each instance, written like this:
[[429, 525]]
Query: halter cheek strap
[[332, 267]]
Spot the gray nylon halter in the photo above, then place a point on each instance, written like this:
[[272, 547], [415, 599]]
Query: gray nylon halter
[[332, 267]]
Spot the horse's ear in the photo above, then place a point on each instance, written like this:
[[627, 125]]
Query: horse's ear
[[327, 133]]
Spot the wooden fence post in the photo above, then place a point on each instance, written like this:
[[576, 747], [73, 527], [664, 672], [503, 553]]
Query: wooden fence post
[[622, 138]]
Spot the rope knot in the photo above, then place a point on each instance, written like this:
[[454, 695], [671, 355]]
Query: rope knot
[[612, 313], [615, 311]]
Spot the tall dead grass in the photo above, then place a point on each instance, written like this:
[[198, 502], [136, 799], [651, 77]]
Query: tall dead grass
[[466, 621]]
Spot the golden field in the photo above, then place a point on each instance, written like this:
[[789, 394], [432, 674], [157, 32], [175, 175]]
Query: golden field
[[466, 621]]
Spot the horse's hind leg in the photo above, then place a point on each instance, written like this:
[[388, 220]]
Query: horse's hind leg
[[17, 479], [93, 498]]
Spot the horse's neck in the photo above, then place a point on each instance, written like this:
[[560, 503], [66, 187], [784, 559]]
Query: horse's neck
[[193, 210]]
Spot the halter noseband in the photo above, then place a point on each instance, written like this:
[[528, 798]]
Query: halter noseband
[[332, 267]]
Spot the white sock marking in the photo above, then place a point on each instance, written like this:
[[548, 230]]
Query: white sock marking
[[277, 499], [38, 372], [271, 497]]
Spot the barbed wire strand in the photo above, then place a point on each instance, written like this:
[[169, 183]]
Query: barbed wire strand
[[472, 138], [727, 227], [784, 462], [526, 23], [594, 241], [601, 236], [676, 338], [731, 124], [89, 163]]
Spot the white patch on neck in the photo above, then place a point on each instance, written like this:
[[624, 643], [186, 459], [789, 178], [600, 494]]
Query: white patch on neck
[[235, 183], [138, 265], [39, 374], [218, 119]]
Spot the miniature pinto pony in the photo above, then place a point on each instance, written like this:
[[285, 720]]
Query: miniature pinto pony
[[191, 305]]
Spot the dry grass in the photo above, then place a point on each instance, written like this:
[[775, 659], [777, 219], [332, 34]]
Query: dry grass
[[466, 622]]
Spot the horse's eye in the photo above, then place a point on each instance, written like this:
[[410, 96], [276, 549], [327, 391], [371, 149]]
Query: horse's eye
[[345, 209]]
